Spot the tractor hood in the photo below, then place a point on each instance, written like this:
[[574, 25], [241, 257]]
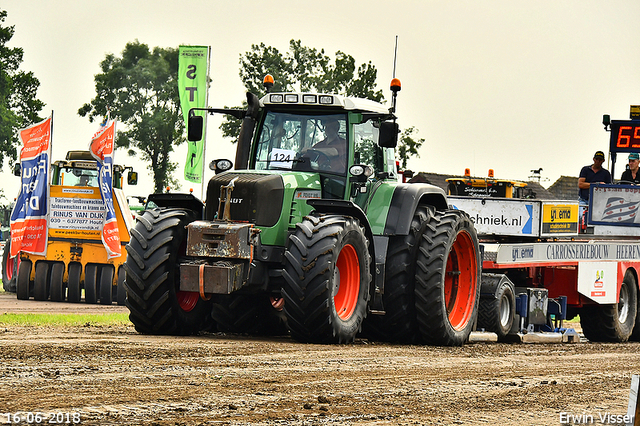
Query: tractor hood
[[258, 197]]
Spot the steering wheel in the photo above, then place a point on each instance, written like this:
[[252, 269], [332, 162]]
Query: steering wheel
[[322, 159]]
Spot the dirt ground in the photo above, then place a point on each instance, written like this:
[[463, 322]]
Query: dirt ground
[[113, 375]]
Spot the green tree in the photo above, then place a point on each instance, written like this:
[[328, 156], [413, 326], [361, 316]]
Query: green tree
[[19, 106], [140, 89], [408, 146], [303, 69]]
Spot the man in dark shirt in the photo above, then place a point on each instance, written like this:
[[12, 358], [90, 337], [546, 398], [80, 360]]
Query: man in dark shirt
[[631, 175], [594, 173], [333, 148]]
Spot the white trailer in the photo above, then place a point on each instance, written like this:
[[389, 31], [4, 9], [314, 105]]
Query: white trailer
[[542, 264]]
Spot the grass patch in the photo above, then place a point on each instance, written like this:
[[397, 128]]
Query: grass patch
[[66, 320]]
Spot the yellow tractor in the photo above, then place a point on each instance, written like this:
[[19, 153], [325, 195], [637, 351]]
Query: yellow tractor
[[76, 258], [487, 187]]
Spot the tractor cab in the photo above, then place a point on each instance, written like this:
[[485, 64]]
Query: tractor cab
[[79, 168], [324, 134]]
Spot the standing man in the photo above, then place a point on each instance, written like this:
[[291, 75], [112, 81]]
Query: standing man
[[631, 175], [594, 173]]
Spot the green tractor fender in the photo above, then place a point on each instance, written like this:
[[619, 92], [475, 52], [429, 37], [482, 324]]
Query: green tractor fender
[[406, 198]]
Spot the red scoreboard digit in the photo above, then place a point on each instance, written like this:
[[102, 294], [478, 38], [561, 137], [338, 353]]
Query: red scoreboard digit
[[625, 136]]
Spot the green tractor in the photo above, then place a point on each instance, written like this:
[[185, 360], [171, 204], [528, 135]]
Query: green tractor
[[311, 233]]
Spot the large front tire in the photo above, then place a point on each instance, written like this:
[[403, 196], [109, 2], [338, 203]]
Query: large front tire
[[448, 279], [612, 322], [327, 279], [154, 299]]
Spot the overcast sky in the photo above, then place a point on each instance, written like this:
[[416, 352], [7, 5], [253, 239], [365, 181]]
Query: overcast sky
[[505, 84]]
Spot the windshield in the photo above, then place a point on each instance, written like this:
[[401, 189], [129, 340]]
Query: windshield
[[303, 142], [73, 176]]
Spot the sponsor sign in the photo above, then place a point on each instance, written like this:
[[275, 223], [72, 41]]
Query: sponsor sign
[[101, 148], [74, 216], [29, 216], [501, 216], [560, 218], [193, 72], [571, 251], [598, 281], [614, 205]]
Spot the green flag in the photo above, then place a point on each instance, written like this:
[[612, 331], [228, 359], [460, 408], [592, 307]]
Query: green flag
[[193, 72]]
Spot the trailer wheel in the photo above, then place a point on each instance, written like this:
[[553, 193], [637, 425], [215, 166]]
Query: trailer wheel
[[9, 268], [399, 322], [155, 302], [23, 282], [497, 314], [121, 292], [41, 281], [75, 273], [106, 285], [448, 279], [247, 313], [327, 279], [56, 284], [91, 284], [612, 322]]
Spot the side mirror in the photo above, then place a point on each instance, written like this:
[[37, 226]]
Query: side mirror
[[16, 169], [220, 166], [388, 134], [196, 124], [132, 178]]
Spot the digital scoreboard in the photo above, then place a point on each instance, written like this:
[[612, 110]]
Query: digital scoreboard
[[625, 136]]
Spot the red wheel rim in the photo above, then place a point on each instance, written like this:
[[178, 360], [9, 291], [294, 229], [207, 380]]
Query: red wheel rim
[[348, 282], [187, 300], [277, 303], [10, 265], [460, 281]]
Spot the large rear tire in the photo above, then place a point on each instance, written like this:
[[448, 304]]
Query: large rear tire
[[612, 322], [448, 279], [155, 302], [399, 323], [327, 279], [9, 268]]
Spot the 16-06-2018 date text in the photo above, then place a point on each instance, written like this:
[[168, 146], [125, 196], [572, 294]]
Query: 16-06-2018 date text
[[35, 418]]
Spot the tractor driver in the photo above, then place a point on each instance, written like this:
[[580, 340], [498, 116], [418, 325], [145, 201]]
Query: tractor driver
[[333, 148]]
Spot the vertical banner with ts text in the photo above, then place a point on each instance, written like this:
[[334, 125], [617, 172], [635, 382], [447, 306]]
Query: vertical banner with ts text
[[193, 76], [29, 217], [101, 148]]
